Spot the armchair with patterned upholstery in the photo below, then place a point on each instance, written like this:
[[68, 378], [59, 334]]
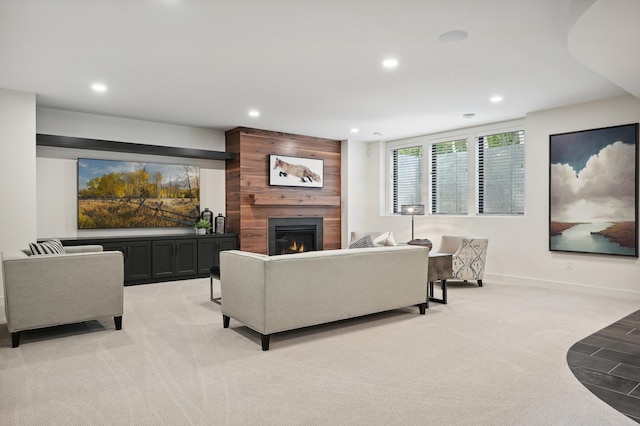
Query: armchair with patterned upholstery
[[468, 254]]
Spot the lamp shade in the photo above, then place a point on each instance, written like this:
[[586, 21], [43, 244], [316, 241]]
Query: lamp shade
[[412, 209]]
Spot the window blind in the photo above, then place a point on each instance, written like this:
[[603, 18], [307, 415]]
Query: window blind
[[501, 173], [450, 177], [407, 176]]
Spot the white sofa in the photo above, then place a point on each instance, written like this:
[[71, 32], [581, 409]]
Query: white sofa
[[83, 284], [270, 294]]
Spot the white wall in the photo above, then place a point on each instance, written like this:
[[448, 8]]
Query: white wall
[[518, 246], [17, 170], [354, 175], [66, 123], [57, 167]]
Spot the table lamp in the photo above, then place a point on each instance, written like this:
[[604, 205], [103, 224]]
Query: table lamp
[[412, 209]]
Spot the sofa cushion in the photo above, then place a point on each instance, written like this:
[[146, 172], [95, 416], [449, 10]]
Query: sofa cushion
[[52, 246], [363, 242], [379, 239]]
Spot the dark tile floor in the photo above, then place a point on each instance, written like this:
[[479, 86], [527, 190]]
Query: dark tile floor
[[608, 364]]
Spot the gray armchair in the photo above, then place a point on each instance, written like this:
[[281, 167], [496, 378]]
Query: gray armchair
[[83, 284]]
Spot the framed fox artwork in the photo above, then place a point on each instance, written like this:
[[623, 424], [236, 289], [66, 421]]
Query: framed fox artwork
[[295, 171]]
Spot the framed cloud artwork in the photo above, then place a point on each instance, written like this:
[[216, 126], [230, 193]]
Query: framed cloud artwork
[[593, 191], [295, 171]]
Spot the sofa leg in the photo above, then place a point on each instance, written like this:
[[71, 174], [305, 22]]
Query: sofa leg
[[479, 283], [15, 339], [118, 321], [265, 341], [423, 308], [225, 321]]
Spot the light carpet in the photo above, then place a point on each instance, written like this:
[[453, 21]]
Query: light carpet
[[493, 356]]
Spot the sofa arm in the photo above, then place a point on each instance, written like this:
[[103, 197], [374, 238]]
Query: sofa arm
[[242, 287], [42, 291]]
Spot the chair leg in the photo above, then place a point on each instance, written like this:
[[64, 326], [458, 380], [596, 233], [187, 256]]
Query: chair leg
[[15, 339], [118, 321], [479, 283]]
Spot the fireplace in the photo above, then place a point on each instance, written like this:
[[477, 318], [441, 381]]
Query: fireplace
[[294, 235]]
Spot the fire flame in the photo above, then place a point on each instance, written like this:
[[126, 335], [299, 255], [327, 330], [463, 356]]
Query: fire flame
[[295, 249]]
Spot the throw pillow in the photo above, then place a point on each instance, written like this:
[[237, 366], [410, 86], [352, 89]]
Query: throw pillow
[[363, 242], [379, 240], [390, 240], [52, 246]]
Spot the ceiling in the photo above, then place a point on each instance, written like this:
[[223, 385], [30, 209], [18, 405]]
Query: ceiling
[[309, 67]]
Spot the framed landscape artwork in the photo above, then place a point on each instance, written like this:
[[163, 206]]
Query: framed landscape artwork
[[295, 171], [593, 191], [126, 194]]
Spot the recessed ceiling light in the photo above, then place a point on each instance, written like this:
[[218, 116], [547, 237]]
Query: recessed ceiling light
[[254, 113], [354, 130], [469, 115], [390, 63], [496, 98], [453, 36], [99, 87]]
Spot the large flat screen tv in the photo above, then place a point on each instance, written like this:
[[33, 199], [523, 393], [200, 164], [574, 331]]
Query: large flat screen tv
[[126, 194]]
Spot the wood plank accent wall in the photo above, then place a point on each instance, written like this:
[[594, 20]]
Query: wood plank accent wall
[[250, 199]]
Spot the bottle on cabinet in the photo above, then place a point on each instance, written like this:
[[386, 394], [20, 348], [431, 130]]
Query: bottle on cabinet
[[219, 224]]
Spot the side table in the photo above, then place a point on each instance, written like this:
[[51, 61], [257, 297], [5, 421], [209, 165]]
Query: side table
[[440, 269]]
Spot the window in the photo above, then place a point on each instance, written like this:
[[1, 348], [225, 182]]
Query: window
[[449, 177], [477, 171], [501, 173], [406, 176]]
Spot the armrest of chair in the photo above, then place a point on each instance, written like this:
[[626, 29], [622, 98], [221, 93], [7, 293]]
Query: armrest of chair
[[83, 249], [450, 244]]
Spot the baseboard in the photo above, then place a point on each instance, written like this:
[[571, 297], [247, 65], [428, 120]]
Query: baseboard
[[566, 286]]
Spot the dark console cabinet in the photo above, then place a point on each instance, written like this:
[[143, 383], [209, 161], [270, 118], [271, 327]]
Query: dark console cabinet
[[209, 252], [137, 258], [174, 258], [164, 258]]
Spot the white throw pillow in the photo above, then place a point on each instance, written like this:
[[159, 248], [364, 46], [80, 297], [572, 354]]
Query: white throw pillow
[[380, 240], [390, 240]]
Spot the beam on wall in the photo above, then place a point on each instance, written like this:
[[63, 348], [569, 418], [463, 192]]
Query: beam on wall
[[134, 148]]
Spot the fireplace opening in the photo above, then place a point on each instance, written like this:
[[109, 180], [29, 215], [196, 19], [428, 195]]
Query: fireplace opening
[[294, 235]]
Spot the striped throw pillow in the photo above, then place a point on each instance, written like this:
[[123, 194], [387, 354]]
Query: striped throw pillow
[[52, 246]]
